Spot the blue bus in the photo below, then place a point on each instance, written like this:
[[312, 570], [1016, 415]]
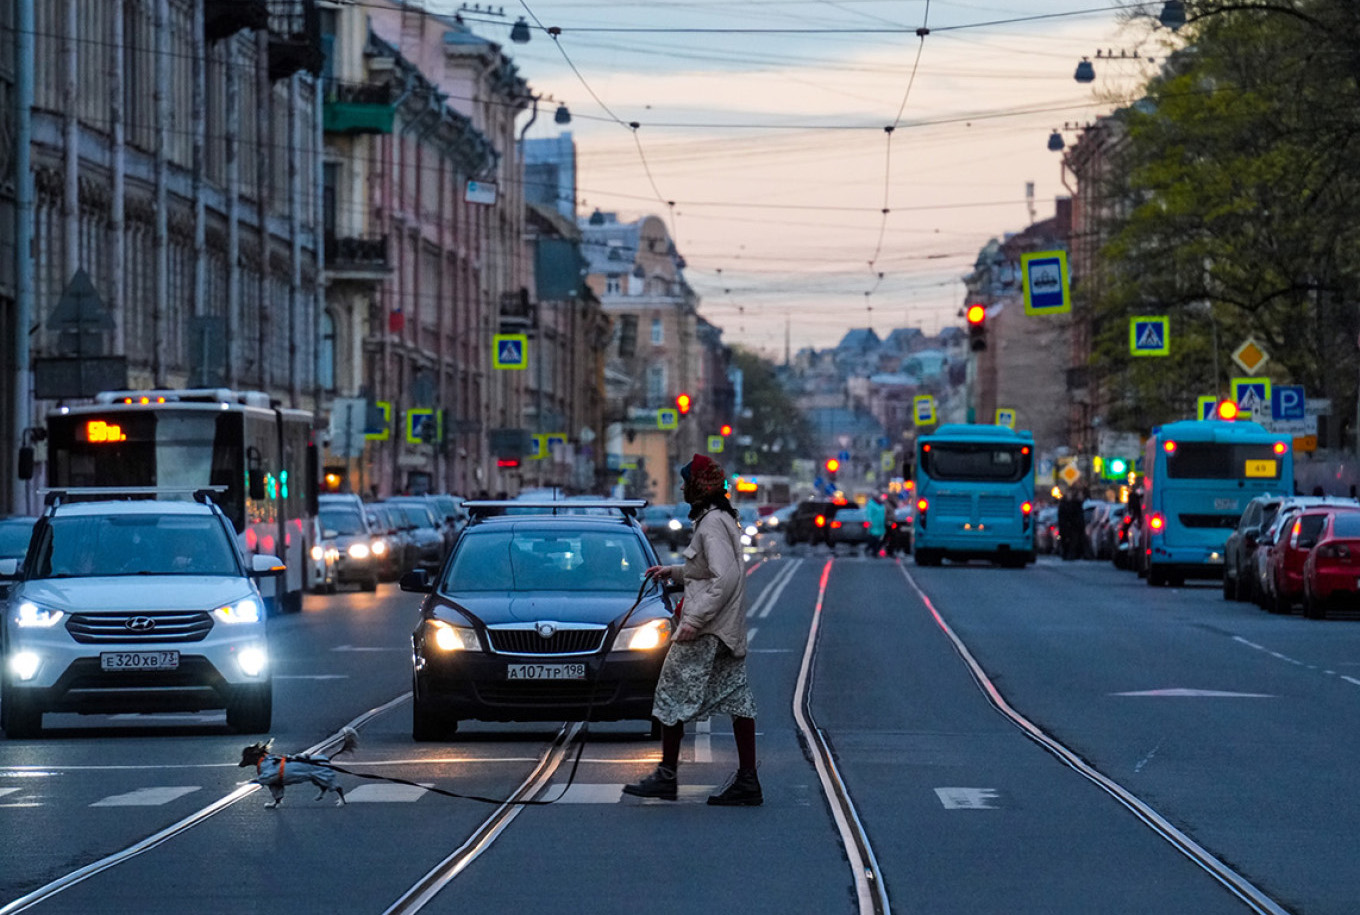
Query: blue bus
[[974, 495], [1199, 476]]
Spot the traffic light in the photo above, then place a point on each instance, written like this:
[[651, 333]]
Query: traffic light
[[683, 402], [725, 430], [832, 465], [1226, 410], [977, 327]]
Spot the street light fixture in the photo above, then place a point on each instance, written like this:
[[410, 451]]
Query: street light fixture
[[563, 116], [1055, 142], [1086, 71], [1172, 15], [519, 32]]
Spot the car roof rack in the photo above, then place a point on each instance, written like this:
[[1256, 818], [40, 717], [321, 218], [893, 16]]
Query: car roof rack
[[94, 493], [486, 508]]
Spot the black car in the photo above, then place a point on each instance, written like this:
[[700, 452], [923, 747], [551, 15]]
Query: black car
[[850, 525], [660, 526], [425, 547], [811, 522], [537, 617], [900, 530], [1239, 553]]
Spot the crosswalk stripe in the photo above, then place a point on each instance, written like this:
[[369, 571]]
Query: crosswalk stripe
[[385, 794], [4, 791], [146, 797]]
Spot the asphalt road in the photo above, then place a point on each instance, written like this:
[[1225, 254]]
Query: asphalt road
[[1235, 726]]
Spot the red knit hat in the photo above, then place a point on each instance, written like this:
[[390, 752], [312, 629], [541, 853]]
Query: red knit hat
[[705, 474]]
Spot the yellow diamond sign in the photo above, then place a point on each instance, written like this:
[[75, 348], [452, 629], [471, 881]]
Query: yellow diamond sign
[[1070, 474], [1250, 356]]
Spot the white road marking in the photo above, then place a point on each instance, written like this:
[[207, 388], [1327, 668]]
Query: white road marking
[[751, 634], [147, 797], [4, 791], [779, 589], [1179, 692], [967, 798], [166, 716], [703, 741], [765, 602], [386, 794]]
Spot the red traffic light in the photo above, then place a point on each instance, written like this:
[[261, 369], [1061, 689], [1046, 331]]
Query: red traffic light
[[725, 430], [977, 314], [1226, 410], [683, 402], [832, 465]]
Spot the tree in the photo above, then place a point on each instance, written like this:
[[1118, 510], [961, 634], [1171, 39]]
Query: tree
[[779, 432], [1236, 208]]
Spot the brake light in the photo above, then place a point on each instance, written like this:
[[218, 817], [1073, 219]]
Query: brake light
[[1281, 447], [1026, 508], [1334, 551], [835, 524], [922, 505], [866, 525], [1157, 523], [1169, 447], [819, 521]]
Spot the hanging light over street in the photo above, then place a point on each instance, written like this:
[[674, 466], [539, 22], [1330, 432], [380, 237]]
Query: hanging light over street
[[519, 32], [1086, 72], [1172, 15], [1055, 141], [563, 116]]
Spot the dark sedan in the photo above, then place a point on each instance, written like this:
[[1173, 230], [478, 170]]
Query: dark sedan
[[537, 618]]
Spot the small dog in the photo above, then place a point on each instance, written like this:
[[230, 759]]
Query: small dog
[[275, 771]]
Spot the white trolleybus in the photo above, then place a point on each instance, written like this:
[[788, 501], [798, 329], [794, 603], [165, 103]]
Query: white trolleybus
[[259, 456]]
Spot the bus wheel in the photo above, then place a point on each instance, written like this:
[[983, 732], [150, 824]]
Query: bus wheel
[[928, 558], [1156, 578]]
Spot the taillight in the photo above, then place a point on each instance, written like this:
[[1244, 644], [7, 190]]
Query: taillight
[[1334, 551], [820, 521], [1026, 508], [866, 525], [1281, 447], [922, 505], [1157, 523], [835, 524]]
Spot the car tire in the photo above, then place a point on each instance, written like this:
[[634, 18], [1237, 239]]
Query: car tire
[[21, 719], [1156, 578], [370, 584], [1313, 609], [251, 710], [428, 724], [927, 558], [1280, 604]]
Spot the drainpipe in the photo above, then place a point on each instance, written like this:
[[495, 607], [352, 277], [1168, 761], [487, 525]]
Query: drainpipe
[[295, 349], [232, 179], [70, 204], [117, 210], [264, 181], [23, 236], [533, 116], [200, 94], [160, 96]]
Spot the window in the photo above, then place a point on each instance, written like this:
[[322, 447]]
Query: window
[[613, 284], [658, 332], [656, 384], [975, 462], [325, 357]]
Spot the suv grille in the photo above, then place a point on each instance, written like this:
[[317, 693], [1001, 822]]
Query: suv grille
[[125, 628], [563, 641]]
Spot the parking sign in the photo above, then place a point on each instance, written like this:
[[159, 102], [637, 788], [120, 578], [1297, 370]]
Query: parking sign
[[1287, 401]]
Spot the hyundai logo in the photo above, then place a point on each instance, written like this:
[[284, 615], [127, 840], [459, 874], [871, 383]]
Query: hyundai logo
[[546, 630], [140, 623]]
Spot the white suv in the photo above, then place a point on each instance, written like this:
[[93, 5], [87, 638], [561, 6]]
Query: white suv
[[134, 606]]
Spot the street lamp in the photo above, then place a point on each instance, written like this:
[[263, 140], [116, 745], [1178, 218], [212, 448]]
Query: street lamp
[[519, 32], [1172, 15]]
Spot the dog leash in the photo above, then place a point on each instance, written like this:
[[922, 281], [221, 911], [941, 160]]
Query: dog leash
[[580, 745]]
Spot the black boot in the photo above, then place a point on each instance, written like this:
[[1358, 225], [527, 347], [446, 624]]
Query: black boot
[[660, 784], [742, 790]]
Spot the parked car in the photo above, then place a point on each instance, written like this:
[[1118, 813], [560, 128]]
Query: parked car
[[1105, 535], [15, 533], [319, 574], [1046, 529], [1331, 573], [533, 618], [1259, 581], [849, 525], [344, 522], [1237, 552], [811, 522], [135, 606], [1290, 552]]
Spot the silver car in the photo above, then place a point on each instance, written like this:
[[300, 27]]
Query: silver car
[[135, 606]]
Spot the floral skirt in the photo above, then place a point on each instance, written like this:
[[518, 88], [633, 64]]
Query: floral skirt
[[699, 678]]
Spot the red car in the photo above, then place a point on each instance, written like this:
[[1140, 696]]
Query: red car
[[1332, 569], [1290, 552]]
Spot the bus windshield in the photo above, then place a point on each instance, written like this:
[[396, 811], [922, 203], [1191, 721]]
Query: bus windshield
[[975, 462], [1222, 461]]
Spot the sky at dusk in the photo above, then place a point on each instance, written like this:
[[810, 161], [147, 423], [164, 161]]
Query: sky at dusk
[[764, 122]]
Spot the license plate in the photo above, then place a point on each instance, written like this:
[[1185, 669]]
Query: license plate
[[139, 660], [545, 672]]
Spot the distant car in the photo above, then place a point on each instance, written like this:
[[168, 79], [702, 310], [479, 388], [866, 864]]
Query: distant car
[[320, 569], [775, 521], [1105, 536], [15, 532], [902, 526], [1237, 552], [389, 526], [1046, 529], [811, 522], [358, 560], [748, 519], [536, 617], [425, 549], [850, 526], [135, 606], [660, 526], [1331, 573]]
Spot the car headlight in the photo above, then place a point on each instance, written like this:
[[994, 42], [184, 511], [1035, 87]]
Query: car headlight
[[644, 637], [674, 524], [447, 637], [358, 551], [30, 616], [379, 547], [747, 539], [772, 521], [243, 611], [750, 530], [252, 661], [318, 553], [25, 665]]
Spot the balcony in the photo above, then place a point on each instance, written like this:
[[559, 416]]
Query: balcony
[[224, 18], [294, 39], [357, 258], [358, 108]]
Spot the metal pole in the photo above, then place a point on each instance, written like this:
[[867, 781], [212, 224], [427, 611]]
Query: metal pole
[[23, 232]]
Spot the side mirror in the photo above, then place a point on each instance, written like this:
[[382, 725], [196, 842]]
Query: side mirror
[[262, 564], [9, 569], [417, 580]]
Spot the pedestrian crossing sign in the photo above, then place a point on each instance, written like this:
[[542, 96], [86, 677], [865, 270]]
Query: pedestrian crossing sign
[[510, 351], [1205, 406], [1150, 336], [1005, 416], [923, 410], [667, 418], [1252, 396], [715, 444], [1047, 291]]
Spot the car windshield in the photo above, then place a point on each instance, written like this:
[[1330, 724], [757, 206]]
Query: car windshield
[[14, 536], [418, 515], [83, 546], [538, 560], [337, 523]]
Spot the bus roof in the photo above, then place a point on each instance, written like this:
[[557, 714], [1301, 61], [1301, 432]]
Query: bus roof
[[1216, 430], [979, 432]]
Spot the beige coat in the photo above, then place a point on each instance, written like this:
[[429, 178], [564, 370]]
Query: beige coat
[[714, 580]]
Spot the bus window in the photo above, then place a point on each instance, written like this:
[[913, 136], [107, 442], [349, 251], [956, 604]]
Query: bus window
[[1222, 461], [963, 461]]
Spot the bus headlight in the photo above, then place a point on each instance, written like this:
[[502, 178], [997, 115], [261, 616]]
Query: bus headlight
[[645, 637]]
